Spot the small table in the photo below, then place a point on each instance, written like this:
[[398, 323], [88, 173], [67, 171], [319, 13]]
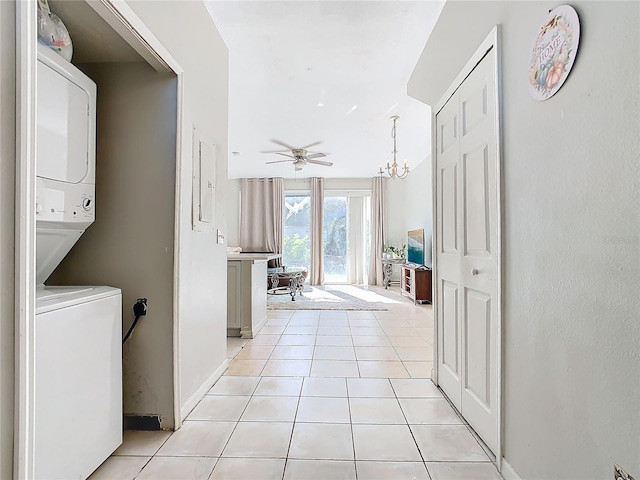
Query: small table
[[387, 269], [295, 276]]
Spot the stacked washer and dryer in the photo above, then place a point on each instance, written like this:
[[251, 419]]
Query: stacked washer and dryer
[[78, 330]]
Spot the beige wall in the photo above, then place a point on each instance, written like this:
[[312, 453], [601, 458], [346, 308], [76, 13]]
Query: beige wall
[[7, 178], [188, 32], [130, 244], [571, 234]]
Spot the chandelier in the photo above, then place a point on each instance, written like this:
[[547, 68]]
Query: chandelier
[[392, 169]]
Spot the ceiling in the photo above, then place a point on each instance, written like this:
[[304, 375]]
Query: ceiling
[[324, 71]]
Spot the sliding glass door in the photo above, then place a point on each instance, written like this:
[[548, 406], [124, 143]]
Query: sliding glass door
[[336, 240], [346, 236]]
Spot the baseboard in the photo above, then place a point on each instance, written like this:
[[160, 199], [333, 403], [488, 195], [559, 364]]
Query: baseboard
[[193, 400], [255, 329], [508, 472]]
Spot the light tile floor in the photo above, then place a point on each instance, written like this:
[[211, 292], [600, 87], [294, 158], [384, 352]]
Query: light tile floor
[[327, 395]]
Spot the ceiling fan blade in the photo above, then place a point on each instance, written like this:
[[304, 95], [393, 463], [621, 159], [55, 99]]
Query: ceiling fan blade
[[320, 162], [274, 151], [277, 161], [285, 154], [282, 144], [307, 147], [316, 155]]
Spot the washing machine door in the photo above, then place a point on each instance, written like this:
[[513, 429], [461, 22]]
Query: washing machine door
[[63, 127]]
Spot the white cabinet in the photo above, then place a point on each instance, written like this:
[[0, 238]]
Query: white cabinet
[[246, 294]]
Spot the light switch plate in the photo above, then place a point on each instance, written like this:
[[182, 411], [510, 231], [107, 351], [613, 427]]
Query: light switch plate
[[220, 237]]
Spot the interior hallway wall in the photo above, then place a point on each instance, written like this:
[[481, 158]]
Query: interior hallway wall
[[188, 32], [131, 243], [571, 234], [7, 215]]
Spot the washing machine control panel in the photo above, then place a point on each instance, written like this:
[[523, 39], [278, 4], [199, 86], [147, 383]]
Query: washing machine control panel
[[64, 202]]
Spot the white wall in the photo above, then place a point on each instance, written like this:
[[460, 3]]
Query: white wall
[[7, 179], [188, 32], [409, 206], [571, 235], [233, 211]]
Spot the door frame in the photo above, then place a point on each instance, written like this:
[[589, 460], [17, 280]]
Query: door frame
[[132, 29], [491, 42]]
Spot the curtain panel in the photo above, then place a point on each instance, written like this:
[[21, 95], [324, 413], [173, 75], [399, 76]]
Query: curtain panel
[[261, 216], [317, 222], [378, 229]]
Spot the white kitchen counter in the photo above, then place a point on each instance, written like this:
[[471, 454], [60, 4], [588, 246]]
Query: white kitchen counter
[[247, 292], [253, 256]]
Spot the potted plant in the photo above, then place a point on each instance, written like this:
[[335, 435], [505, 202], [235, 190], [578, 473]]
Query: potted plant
[[396, 252]]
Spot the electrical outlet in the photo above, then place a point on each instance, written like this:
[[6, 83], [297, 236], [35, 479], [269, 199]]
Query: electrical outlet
[[620, 474], [220, 237]]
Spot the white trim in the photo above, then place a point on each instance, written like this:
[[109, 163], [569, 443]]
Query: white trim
[[177, 395], [496, 33], [199, 394], [25, 236], [492, 42], [434, 246], [132, 29], [508, 472]]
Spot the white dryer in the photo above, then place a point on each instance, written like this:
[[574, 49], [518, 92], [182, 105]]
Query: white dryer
[[65, 159], [78, 330]]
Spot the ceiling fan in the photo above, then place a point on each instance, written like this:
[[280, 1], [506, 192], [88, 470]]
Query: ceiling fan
[[300, 156]]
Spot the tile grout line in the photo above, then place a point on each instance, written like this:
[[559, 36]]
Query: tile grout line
[[424, 462]]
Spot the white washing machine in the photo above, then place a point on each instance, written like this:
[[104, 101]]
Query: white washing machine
[[78, 387], [78, 330]]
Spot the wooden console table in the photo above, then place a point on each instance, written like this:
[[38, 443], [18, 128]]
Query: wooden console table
[[416, 283]]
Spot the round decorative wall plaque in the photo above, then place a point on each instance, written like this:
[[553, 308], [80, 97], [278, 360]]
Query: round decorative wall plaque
[[554, 52]]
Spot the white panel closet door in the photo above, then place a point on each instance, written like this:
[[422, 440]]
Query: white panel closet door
[[467, 261], [448, 250]]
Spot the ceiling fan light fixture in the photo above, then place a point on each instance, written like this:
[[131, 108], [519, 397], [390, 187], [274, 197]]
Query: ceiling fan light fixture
[[301, 156], [392, 169]]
